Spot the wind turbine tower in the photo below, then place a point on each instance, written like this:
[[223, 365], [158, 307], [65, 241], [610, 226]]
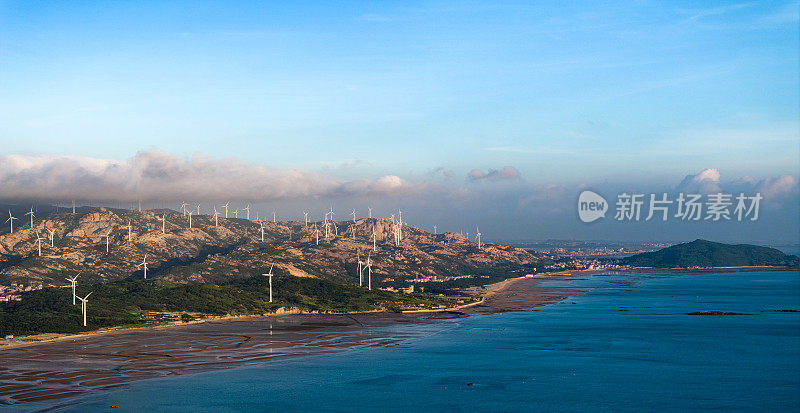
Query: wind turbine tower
[[270, 281], [369, 272], [360, 270], [39, 242], [163, 220], [11, 219], [144, 263], [84, 304], [74, 282], [32, 215]]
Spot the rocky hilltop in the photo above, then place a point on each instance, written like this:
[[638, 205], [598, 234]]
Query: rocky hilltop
[[233, 248]]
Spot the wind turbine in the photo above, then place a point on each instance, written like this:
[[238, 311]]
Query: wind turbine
[[247, 208], [52, 235], [73, 211], [190, 219], [144, 262], [163, 220], [400, 227], [270, 281], [84, 304], [360, 270], [11, 219], [198, 210], [374, 238], [216, 217], [316, 232], [74, 282], [369, 272], [434, 230], [32, 215], [370, 212], [236, 213], [262, 231], [39, 241], [478, 236], [305, 214], [129, 230], [108, 236], [183, 207], [226, 209], [273, 216]]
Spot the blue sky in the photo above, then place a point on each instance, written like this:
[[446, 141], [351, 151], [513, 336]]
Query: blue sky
[[591, 93]]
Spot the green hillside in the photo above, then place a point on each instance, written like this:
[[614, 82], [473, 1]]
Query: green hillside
[[119, 303], [702, 253]]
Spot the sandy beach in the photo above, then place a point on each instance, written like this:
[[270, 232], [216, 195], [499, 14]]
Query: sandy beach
[[63, 367]]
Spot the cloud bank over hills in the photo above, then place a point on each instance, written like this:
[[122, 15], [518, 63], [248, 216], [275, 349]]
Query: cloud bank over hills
[[155, 175], [505, 205]]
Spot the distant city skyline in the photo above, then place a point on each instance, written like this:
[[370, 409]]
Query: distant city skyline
[[461, 113]]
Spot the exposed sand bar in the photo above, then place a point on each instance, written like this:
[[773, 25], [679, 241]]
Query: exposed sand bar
[[66, 368]]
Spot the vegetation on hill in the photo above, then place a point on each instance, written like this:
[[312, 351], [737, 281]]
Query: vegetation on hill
[[702, 253], [128, 302]]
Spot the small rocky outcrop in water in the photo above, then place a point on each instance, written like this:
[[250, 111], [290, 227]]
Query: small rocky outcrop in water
[[713, 313]]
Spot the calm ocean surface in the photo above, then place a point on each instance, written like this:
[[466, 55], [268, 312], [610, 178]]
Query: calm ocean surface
[[625, 345]]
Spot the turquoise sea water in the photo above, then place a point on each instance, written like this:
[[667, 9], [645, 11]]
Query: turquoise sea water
[[625, 345]]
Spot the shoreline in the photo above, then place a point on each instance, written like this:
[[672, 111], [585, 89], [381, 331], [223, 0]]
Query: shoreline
[[45, 338], [64, 367], [490, 289]]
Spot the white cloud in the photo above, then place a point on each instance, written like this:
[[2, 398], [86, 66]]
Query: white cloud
[[708, 181], [774, 187], [155, 175], [705, 182]]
